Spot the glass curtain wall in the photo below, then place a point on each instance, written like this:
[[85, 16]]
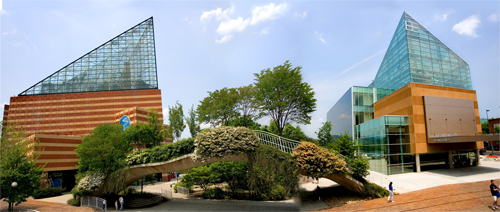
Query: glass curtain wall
[[386, 142], [126, 62], [363, 99]]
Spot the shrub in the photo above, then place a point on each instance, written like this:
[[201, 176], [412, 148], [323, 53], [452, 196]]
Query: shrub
[[161, 153], [213, 193], [234, 173], [202, 176], [89, 184], [181, 184], [74, 202], [272, 172], [374, 190], [359, 166], [218, 142], [47, 192], [315, 161]]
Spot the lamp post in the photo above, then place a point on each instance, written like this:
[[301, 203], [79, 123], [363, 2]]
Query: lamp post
[[13, 185], [487, 118]]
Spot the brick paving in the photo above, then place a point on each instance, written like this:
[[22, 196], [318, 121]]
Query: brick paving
[[474, 196], [35, 205]]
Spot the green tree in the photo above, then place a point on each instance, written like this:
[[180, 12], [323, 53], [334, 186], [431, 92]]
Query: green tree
[[143, 135], [246, 105], [218, 107], [281, 94], [176, 119], [202, 176], [16, 165], [485, 127], [243, 121], [103, 151], [294, 133], [324, 134], [345, 146], [192, 122]]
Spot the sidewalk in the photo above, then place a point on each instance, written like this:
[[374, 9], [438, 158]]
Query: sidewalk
[[408, 182]]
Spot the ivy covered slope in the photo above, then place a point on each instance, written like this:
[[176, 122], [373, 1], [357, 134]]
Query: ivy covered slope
[[161, 153]]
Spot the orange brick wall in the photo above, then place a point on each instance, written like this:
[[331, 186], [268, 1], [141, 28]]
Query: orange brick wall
[[408, 101], [76, 113]]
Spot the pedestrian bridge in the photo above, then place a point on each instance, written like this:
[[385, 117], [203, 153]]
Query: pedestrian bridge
[[136, 172]]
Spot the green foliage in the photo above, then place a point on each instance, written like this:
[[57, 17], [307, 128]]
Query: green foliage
[[181, 184], [324, 134], [272, 174], [485, 127], [16, 165], [176, 119], [192, 123], [161, 153], [142, 135], [281, 94], [374, 190], [44, 192], [214, 193], [218, 107], [244, 121], [103, 151], [294, 133], [345, 146], [74, 202], [202, 176], [315, 161], [246, 105], [359, 166], [291, 132], [218, 142], [234, 173]]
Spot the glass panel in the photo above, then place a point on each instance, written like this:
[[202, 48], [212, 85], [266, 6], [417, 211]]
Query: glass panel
[[128, 61]]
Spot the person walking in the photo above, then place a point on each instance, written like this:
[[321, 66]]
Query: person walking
[[391, 193], [116, 205], [495, 193], [104, 204], [122, 202]]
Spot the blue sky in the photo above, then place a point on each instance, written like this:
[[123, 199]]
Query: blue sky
[[207, 45]]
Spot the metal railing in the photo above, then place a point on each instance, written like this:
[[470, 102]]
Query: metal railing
[[93, 202], [276, 141]]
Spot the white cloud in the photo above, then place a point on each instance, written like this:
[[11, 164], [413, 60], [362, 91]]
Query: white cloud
[[264, 31], [493, 17], [320, 37], [218, 14], [467, 26], [224, 39], [267, 12], [2, 10], [302, 14], [442, 17], [228, 25]]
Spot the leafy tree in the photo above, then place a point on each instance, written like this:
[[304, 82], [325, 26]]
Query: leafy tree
[[202, 176], [485, 127], [291, 132], [218, 107], [103, 151], [143, 135], [345, 146], [324, 134], [246, 104], [16, 165], [244, 121], [281, 94], [176, 119], [192, 122], [234, 173]]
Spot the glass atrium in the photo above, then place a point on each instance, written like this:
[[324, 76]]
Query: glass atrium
[[125, 62], [415, 55], [386, 142]]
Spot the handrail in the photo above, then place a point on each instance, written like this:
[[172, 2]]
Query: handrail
[[281, 143], [94, 202]]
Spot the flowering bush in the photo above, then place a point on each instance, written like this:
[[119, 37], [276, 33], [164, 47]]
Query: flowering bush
[[315, 161], [218, 142], [89, 184]]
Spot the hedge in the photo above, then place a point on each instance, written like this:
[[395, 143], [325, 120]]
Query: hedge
[[161, 153], [315, 161], [222, 141]]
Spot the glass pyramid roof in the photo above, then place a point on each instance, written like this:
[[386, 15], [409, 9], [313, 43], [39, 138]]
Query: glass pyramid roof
[[416, 55], [125, 62]]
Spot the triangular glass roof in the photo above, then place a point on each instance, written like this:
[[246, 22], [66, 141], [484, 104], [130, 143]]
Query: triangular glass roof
[[125, 62], [416, 55]]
